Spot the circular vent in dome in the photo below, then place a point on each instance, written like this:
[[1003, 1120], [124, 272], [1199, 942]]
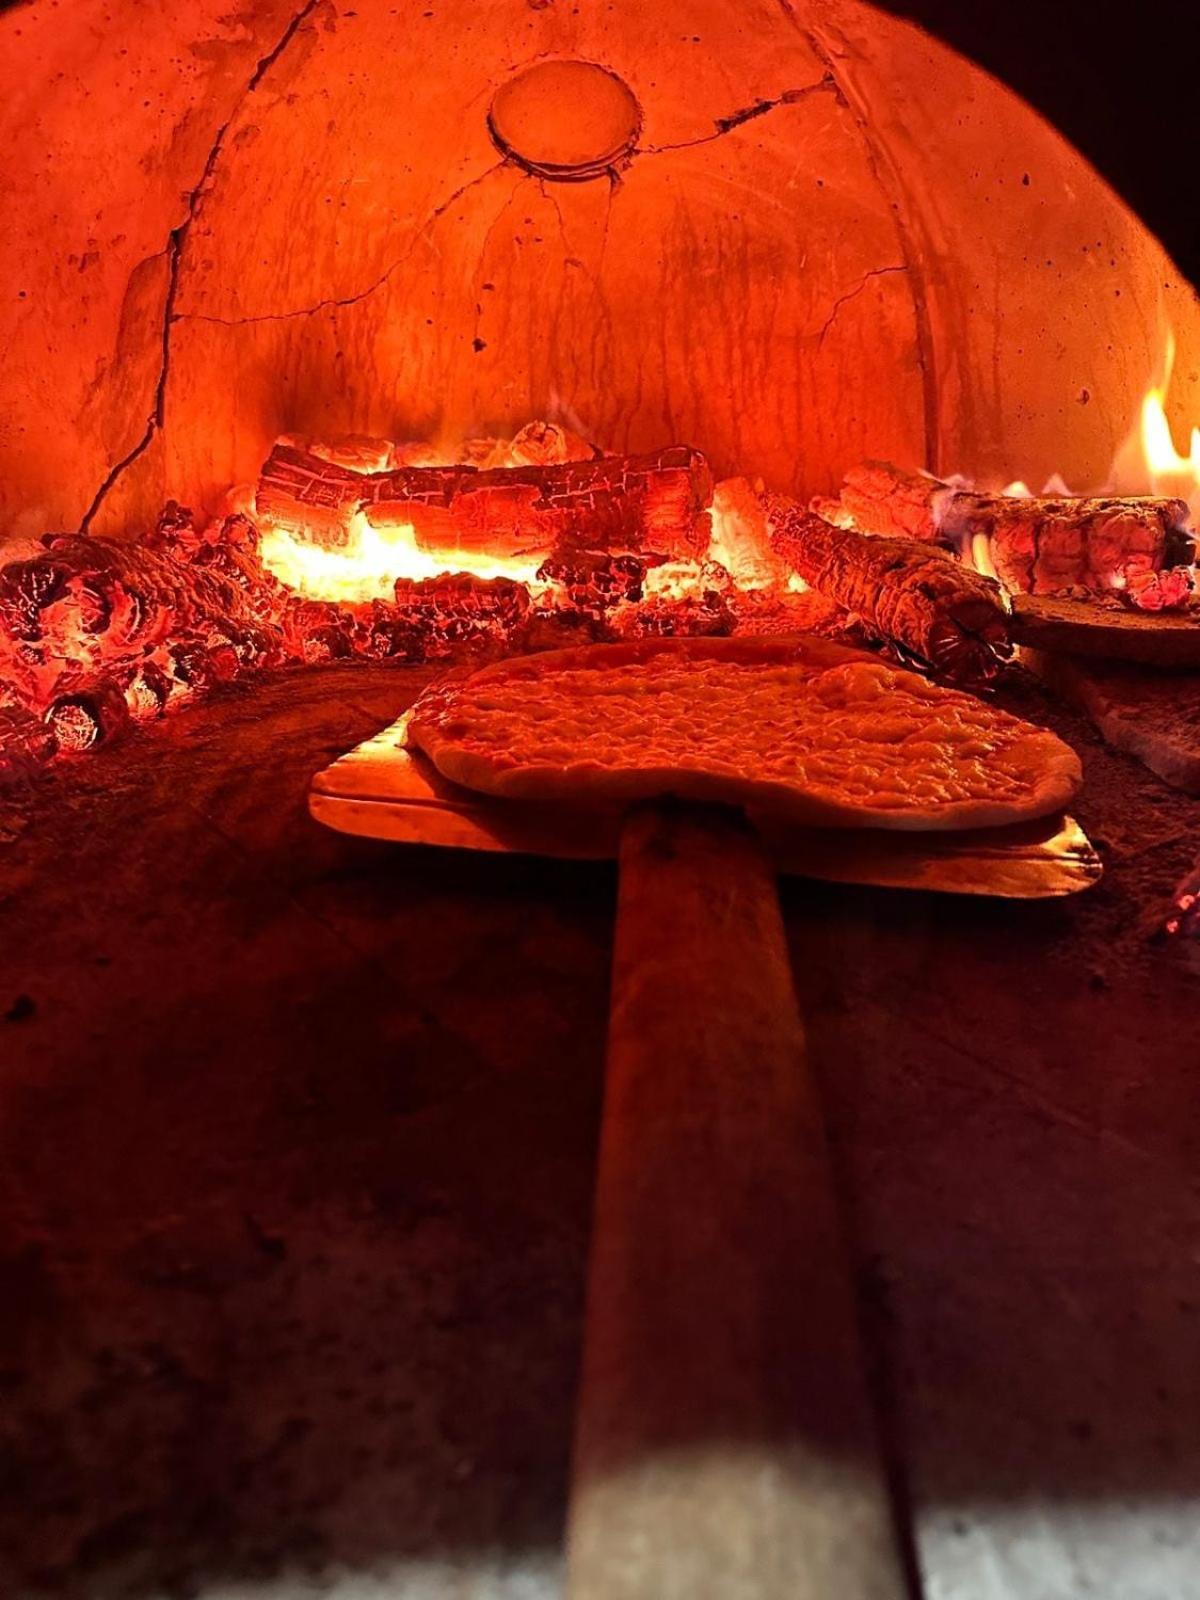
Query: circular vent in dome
[[568, 120]]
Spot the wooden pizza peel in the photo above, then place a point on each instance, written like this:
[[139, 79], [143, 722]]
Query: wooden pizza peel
[[725, 1443]]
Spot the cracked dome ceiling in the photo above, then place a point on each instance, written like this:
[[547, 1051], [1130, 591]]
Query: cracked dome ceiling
[[794, 234]]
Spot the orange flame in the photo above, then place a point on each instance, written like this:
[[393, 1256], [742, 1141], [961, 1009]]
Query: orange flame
[[361, 558], [368, 565], [981, 551], [1148, 461], [674, 580]]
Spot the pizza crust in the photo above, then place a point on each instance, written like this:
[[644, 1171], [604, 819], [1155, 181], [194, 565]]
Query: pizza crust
[[805, 729]]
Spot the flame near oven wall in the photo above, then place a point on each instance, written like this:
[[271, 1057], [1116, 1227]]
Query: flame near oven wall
[[1148, 461]]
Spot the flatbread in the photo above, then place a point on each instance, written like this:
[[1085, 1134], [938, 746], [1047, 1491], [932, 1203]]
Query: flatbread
[[804, 728]]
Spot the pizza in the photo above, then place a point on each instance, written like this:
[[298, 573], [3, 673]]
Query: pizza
[[805, 729]]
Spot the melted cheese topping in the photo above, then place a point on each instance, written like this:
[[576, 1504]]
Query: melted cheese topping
[[860, 734]]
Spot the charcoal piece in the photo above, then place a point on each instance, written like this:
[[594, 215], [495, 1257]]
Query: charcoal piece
[[88, 714], [593, 580]]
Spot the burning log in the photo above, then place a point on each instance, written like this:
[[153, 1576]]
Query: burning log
[[88, 714], [1036, 544], [909, 593], [90, 621], [234, 557], [122, 591], [879, 498], [630, 504]]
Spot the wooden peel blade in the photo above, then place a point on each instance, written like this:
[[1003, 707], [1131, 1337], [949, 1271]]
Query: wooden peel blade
[[725, 1443], [384, 790], [1038, 860]]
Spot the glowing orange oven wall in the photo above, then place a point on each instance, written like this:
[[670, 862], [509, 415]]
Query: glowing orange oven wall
[[818, 235]]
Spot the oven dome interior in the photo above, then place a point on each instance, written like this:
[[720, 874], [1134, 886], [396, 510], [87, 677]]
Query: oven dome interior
[[822, 236]]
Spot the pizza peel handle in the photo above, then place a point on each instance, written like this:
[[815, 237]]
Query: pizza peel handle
[[724, 1447]]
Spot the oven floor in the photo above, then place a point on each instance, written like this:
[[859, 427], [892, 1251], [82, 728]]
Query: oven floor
[[295, 1173]]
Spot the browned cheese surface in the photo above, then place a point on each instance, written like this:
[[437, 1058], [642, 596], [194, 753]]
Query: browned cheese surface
[[805, 728]]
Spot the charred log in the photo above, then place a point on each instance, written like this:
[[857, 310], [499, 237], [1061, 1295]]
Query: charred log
[[911, 594], [1036, 544], [654, 504], [91, 620], [124, 591], [90, 713]]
